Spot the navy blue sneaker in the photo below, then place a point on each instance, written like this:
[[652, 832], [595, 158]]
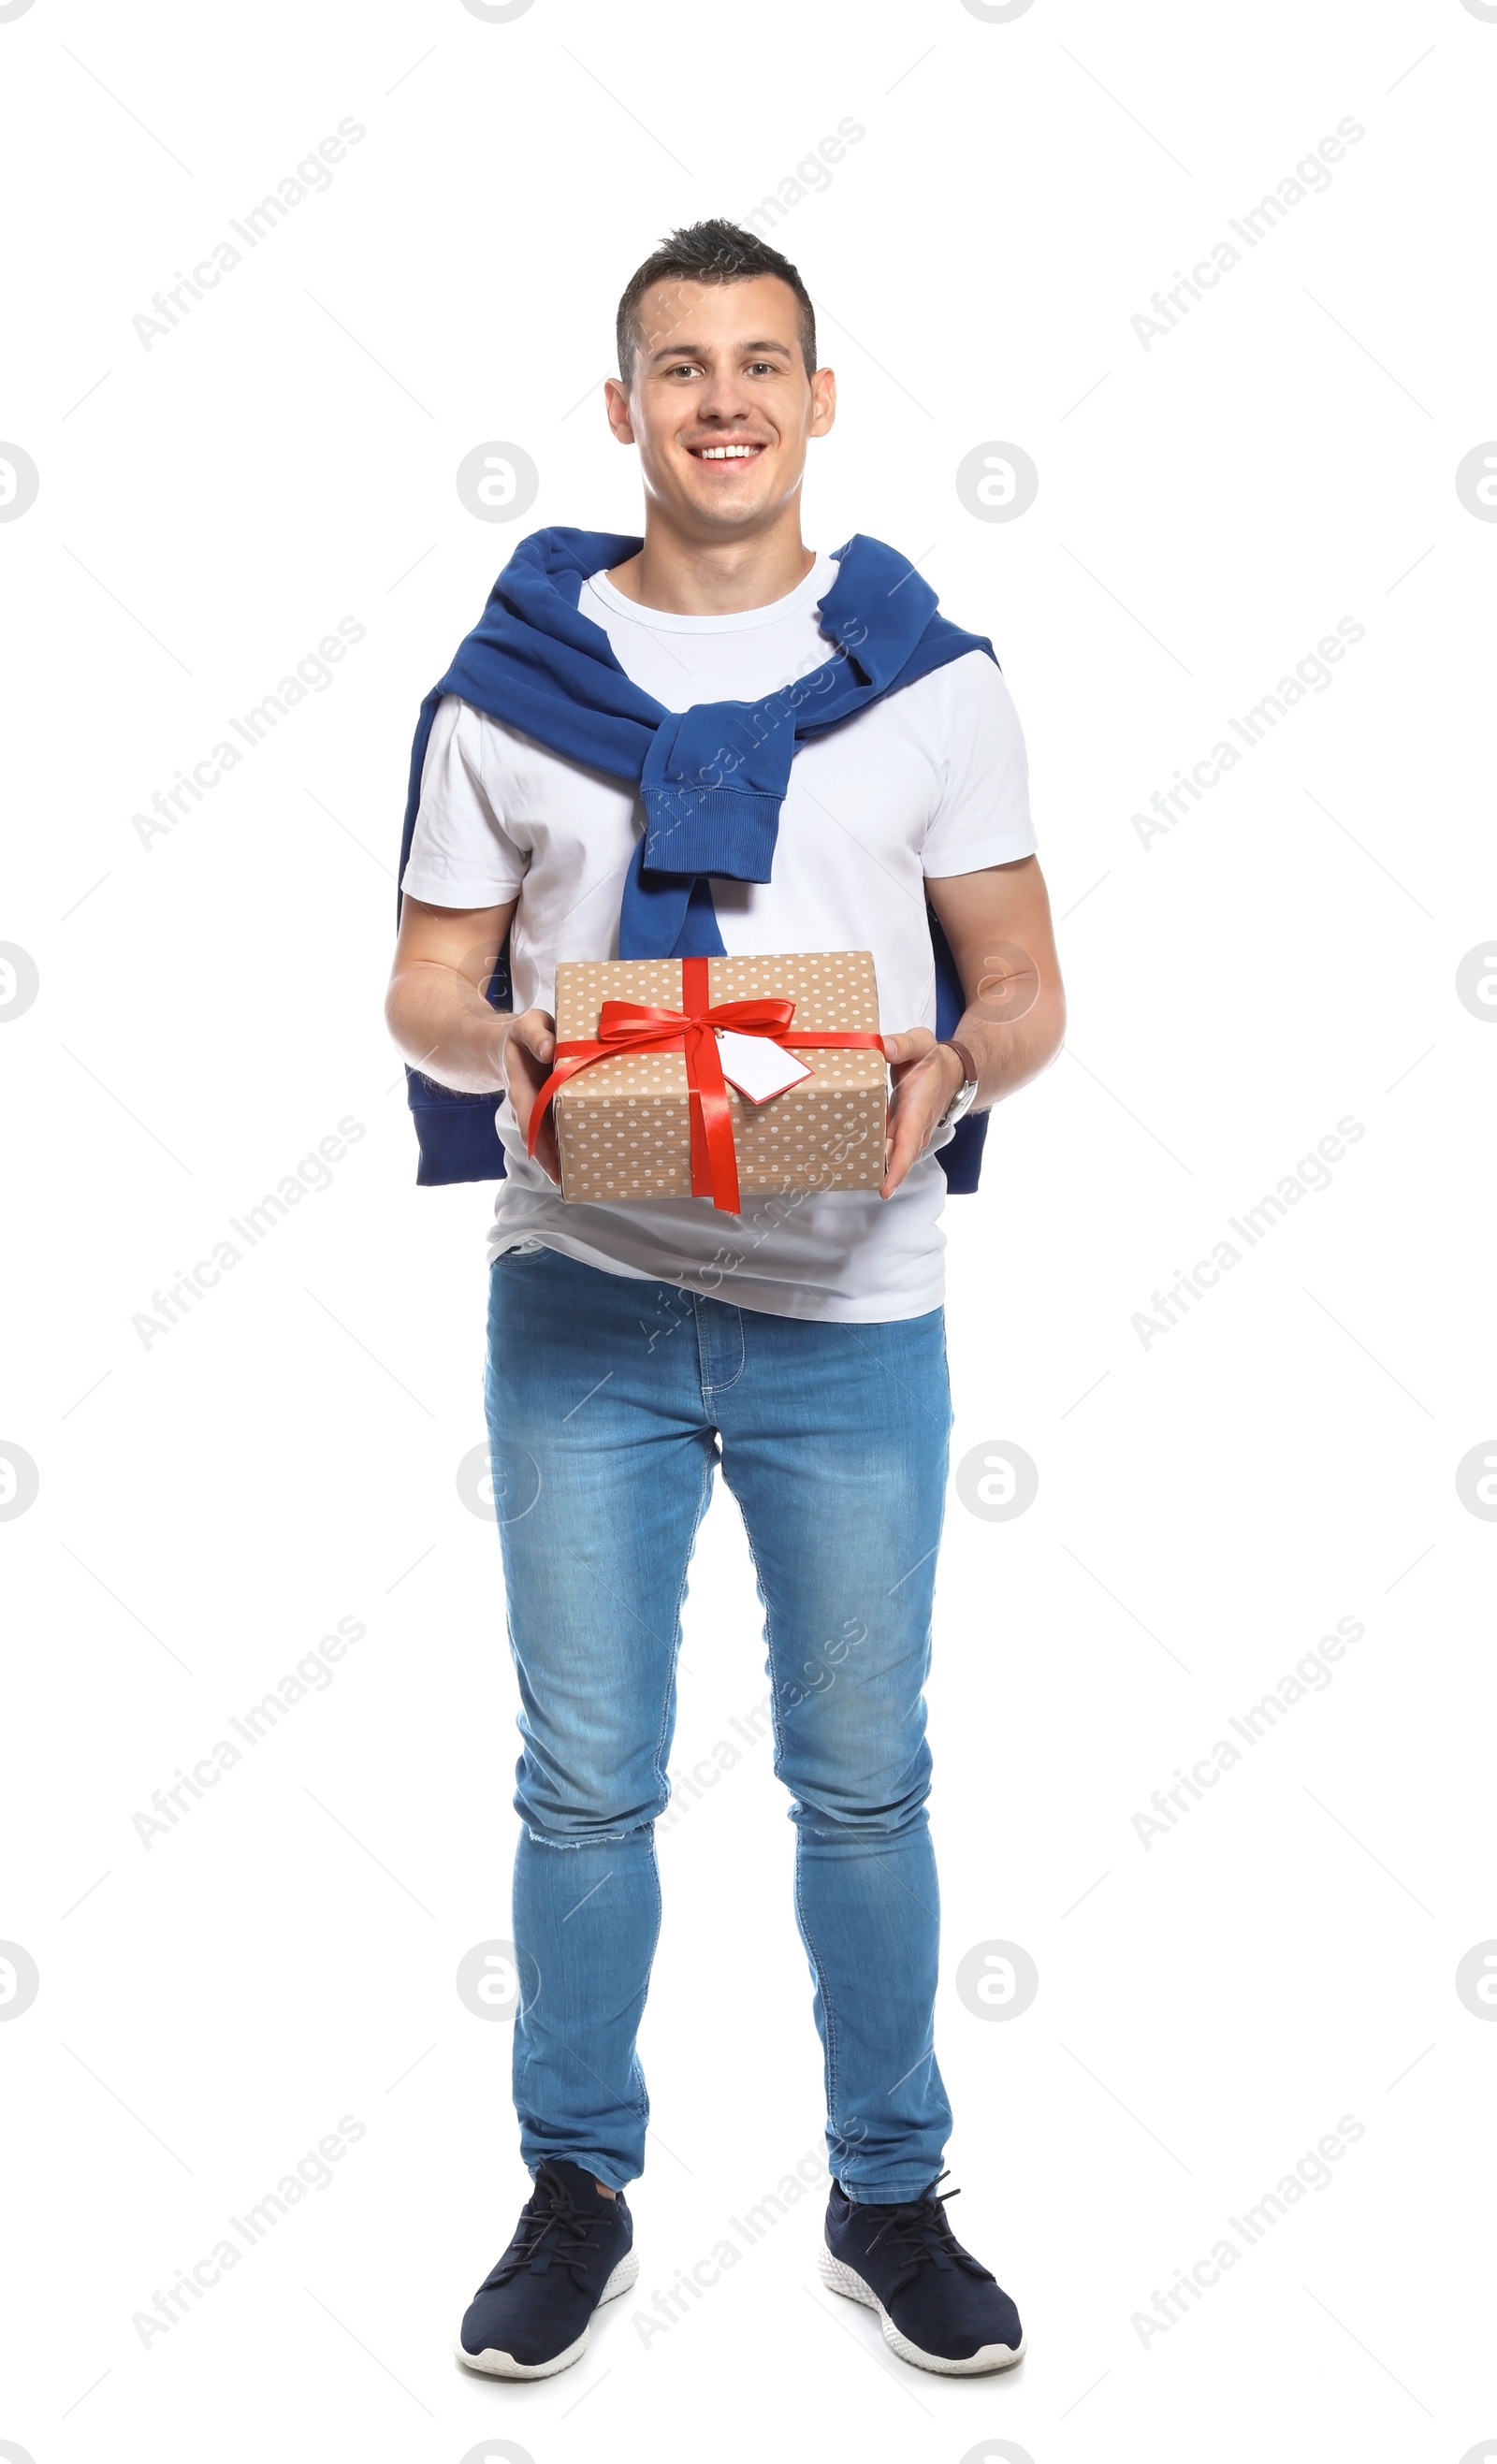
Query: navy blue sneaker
[[573, 2248], [937, 2305]]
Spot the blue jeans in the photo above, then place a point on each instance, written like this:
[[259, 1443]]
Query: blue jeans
[[606, 1397]]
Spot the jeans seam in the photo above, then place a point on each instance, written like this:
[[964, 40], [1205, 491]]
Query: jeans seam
[[819, 1971], [769, 1616], [722, 1385], [817, 1967], [662, 1776], [642, 2100]]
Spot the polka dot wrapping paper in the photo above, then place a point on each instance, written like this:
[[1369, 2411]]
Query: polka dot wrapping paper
[[623, 1124]]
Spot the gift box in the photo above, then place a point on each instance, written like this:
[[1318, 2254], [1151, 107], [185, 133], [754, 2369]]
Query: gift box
[[643, 1107]]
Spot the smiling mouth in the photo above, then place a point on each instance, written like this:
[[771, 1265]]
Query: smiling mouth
[[742, 451]]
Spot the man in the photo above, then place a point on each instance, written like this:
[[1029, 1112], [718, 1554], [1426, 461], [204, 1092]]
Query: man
[[631, 1347]]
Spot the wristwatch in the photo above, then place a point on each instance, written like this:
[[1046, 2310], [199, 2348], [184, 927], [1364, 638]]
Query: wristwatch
[[965, 1095]]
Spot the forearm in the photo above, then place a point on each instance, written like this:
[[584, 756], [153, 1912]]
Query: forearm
[[1010, 1050], [997, 928], [442, 1025]]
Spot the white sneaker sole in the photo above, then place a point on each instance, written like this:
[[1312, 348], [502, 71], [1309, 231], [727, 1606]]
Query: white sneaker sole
[[987, 2356], [504, 2365]]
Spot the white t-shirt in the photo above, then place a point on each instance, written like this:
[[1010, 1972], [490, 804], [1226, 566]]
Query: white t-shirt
[[931, 780]]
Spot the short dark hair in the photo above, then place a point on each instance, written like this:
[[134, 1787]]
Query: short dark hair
[[710, 252]]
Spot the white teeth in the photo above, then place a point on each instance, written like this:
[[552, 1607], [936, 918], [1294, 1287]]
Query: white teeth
[[726, 452]]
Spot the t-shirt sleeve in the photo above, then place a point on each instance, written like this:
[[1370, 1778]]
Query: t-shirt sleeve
[[461, 854], [981, 815]]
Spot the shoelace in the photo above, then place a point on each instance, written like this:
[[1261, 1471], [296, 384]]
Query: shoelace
[[556, 2232], [920, 2230]]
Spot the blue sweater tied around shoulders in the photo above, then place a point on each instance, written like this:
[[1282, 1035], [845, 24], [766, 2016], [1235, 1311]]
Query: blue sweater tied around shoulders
[[712, 778]]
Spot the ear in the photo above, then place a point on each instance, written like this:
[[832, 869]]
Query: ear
[[616, 402], [824, 401]]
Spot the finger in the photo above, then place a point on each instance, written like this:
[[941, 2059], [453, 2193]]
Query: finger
[[917, 1086], [523, 1090], [915, 1106], [536, 1032], [910, 1126], [903, 1070], [901, 1156], [909, 1045], [523, 1079]]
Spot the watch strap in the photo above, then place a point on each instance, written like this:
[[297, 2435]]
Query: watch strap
[[965, 1095]]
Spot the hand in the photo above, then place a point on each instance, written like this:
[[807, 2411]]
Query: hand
[[525, 1055], [926, 1076]]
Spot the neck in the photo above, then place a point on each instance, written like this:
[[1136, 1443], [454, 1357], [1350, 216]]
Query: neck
[[693, 577]]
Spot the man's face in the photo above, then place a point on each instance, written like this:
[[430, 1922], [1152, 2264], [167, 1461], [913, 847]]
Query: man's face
[[719, 405]]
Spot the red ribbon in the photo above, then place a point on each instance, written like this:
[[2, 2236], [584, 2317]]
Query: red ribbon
[[640, 1027]]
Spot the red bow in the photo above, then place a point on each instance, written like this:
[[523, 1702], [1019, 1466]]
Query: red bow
[[640, 1027]]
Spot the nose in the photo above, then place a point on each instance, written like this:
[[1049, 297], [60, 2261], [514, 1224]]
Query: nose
[[723, 396]]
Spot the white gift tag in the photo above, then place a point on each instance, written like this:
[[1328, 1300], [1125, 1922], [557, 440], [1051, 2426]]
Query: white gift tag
[[757, 1066]]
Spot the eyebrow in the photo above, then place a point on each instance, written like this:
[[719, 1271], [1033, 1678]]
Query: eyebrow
[[690, 350]]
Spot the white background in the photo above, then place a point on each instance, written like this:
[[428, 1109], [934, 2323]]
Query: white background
[[209, 1007]]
